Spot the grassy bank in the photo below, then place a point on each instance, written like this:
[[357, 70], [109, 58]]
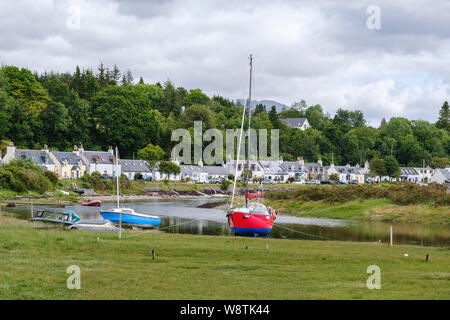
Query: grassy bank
[[33, 266], [369, 210]]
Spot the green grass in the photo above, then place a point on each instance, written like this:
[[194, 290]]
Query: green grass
[[370, 209], [33, 265]]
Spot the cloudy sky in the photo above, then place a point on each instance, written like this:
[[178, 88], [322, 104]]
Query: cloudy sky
[[320, 51]]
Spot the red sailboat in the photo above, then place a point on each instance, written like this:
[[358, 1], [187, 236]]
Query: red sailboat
[[253, 219], [92, 203]]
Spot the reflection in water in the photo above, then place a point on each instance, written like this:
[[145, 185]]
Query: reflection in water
[[182, 216]]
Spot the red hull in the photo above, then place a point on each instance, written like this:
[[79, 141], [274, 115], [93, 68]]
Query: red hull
[[250, 224], [94, 203]]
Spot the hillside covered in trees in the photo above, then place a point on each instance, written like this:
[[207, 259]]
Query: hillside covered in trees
[[108, 107]]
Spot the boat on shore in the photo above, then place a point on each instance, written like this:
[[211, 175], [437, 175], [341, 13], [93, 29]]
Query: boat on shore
[[92, 203], [127, 215], [130, 217], [47, 218], [254, 218]]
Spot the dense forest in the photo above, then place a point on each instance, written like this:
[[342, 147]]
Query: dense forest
[[109, 107]]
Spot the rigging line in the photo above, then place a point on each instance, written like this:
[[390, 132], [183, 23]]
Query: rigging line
[[239, 147], [308, 234], [171, 226]]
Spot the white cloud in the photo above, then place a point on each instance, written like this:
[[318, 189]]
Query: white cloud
[[322, 53]]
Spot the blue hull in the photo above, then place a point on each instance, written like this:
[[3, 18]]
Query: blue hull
[[251, 231], [129, 218]]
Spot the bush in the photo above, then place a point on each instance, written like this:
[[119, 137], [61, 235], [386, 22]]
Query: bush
[[401, 193], [52, 177], [224, 184], [22, 175]]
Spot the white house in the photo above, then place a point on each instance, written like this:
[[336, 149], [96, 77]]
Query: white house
[[195, 173], [103, 162], [39, 157], [132, 167], [217, 172], [255, 167], [441, 176], [299, 123], [409, 174], [424, 173], [274, 170]]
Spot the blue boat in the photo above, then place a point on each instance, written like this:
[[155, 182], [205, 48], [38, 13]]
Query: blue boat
[[130, 217]]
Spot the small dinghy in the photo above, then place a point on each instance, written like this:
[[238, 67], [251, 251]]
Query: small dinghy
[[92, 203], [98, 225]]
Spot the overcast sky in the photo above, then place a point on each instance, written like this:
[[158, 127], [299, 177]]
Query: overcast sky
[[320, 51]]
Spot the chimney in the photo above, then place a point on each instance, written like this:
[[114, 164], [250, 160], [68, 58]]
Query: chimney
[[281, 160], [45, 148], [11, 149], [200, 163], [319, 161], [301, 161], [110, 150], [81, 149], [357, 165], [366, 165], [347, 165]]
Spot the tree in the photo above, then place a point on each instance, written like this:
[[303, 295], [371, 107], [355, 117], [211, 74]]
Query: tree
[[195, 96], [377, 167], [334, 177], [392, 167], [102, 76], [151, 154], [170, 101], [444, 118], [168, 168], [199, 112]]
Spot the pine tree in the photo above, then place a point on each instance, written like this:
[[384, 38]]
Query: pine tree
[[141, 81], [444, 118], [102, 77]]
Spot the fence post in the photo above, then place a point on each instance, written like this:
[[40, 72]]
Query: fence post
[[391, 242]]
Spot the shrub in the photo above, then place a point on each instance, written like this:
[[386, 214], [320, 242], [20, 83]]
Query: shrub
[[224, 184]]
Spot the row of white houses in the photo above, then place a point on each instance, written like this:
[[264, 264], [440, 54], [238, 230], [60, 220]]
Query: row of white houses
[[73, 165]]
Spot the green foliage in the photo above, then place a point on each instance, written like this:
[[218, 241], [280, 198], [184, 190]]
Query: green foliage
[[392, 167], [23, 176], [224, 184], [402, 193], [334, 177], [169, 168], [151, 153]]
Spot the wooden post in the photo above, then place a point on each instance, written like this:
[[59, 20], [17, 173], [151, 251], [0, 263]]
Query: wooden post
[[153, 255], [267, 246], [391, 242], [31, 209], [426, 259]]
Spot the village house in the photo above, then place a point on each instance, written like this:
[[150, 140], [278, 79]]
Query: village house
[[294, 170], [299, 123], [409, 174], [103, 162], [424, 173], [348, 173], [194, 173], [131, 168], [274, 171], [68, 165], [255, 168], [441, 176], [39, 157], [217, 172]]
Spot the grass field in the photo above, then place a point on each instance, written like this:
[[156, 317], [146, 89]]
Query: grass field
[[33, 265], [369, 209]]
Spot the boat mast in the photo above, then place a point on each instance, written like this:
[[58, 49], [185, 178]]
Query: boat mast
[[249, 120], [117, 176]]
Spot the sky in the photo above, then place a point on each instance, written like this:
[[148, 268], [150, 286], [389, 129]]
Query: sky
[[385, 58]]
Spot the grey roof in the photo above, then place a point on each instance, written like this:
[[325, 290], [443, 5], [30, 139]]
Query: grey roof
[[71, 157], [445, 173], [134, 165], [189, 169], [294, 122], [292, 166], [273, 167], [405, 171], [347, 169], [103, 157], [216, 170], [37, 156]]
